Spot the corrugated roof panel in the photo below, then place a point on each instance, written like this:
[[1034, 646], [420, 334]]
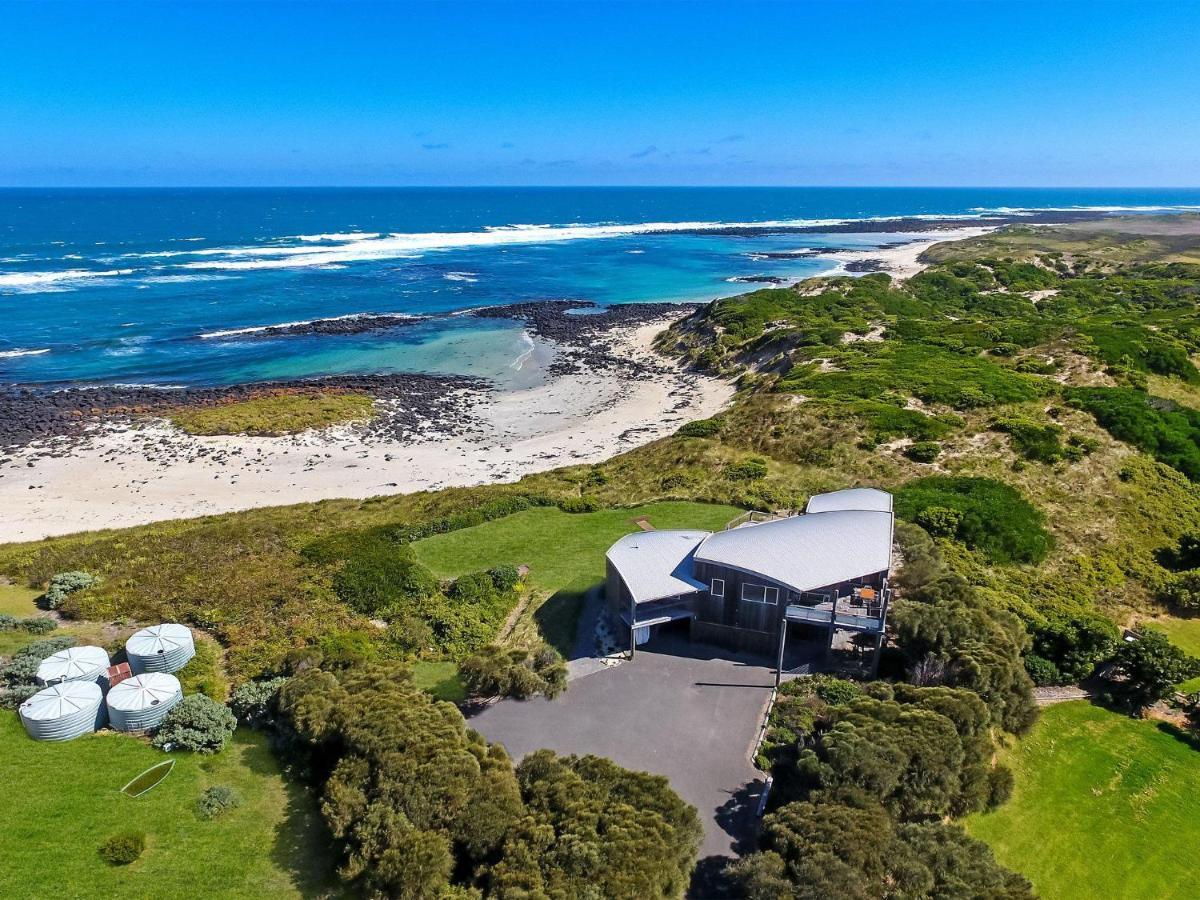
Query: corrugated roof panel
[[807, 552], [851, 498], [657, 564]]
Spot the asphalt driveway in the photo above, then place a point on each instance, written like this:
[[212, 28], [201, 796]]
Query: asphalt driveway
[[678, 709]]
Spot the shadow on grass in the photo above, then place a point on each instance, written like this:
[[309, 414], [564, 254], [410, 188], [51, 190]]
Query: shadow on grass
[[303, 845], [1183, 735], [558, 618]]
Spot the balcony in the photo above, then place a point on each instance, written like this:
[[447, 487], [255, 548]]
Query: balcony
[[850, 613]]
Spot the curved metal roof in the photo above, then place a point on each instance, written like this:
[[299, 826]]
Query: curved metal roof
[[851, 498], [73, 663], [158, 639], [61, 700], [143, 691], [807, 552], [657, 564]]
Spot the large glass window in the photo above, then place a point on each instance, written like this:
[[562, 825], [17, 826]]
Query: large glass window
[[760, 593], [718, 587]]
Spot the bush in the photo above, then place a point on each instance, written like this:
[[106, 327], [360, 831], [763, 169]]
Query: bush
[[256, 703], [1182, 591], [496, 672], [197, 723], [124, 848], [1168, 432], [216, 800], [505, 577], [923, 451], [7, 622], [38, 624], [477, 587], [1000, 786], [994, 517], [64, 584], [22, 668], [747, 470], [1040, 443], [940, 521], [1042, 671], [578, 504], [701, 428]]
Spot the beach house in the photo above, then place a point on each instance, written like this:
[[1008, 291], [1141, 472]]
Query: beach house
[[822, 575]]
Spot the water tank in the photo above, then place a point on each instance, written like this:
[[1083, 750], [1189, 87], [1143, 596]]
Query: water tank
[[63, 711], [160, 648], [139, 703], [74, 664]]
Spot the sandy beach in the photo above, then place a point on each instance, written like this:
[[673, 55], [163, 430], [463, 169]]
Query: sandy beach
[[131, 474], [899, 261]]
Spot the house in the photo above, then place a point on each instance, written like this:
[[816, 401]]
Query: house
[[823, 573]]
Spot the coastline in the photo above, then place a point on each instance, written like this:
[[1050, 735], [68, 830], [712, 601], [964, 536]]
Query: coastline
[[133, 473]]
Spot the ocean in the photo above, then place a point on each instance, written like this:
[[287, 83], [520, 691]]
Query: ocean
[[172, 287]]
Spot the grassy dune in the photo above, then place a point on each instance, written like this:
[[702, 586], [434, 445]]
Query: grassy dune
[[1104, 806], [282, 414]]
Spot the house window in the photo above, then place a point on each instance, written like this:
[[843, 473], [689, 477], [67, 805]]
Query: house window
[[760, 593], [718, 587]]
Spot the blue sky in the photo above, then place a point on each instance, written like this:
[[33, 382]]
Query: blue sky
[[446, 93]]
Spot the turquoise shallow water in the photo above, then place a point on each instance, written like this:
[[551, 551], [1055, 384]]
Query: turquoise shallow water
[[110, 286]]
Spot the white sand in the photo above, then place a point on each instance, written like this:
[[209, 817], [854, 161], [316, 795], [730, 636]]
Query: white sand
[[901, 262], [130, 476]]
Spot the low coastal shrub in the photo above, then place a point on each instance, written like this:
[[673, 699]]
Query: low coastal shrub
[[579, 504], [124, 848], [196, 723], [1038, 443], [1181, 590], [21, 669], [216, 800], [701, 428], [746, 470], [985, 514], [497, 672], [64, 584], [37, 624], [923, 451], [256, 703]]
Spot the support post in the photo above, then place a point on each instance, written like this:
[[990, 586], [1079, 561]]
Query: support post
[[782, 642], [878, 653], [632, 627]]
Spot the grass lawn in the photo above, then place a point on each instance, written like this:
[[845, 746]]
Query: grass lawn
[[440, 679], [564, 552], [1104, 806], [63, 800], [284, 414], [17, 600]]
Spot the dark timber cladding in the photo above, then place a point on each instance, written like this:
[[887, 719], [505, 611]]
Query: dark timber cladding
[[743, 587]]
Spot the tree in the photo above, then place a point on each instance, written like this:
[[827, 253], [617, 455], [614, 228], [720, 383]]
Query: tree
[[593, 829], [1147, 669]]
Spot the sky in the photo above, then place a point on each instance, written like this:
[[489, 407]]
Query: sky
[[103, 93]]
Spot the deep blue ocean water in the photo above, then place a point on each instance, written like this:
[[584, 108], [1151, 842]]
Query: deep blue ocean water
[[129, 286]]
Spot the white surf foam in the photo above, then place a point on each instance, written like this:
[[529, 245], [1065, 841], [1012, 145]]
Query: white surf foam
[[13, 354], [33, 280], [461, 276]]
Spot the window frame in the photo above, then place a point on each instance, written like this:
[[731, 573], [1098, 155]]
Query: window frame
[[766, 589], [712, 588]]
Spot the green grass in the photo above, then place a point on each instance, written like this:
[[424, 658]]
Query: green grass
[[18, 600], [63, 800], [1104, 806], [564, 552], [439, 678], [283, 414]]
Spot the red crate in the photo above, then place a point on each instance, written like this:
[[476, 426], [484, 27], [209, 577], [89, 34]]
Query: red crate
[[118, 673]]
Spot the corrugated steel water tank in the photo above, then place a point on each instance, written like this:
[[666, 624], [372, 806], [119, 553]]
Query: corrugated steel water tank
[[63, 711], [160, 648], [74, 664], [139, 703]]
